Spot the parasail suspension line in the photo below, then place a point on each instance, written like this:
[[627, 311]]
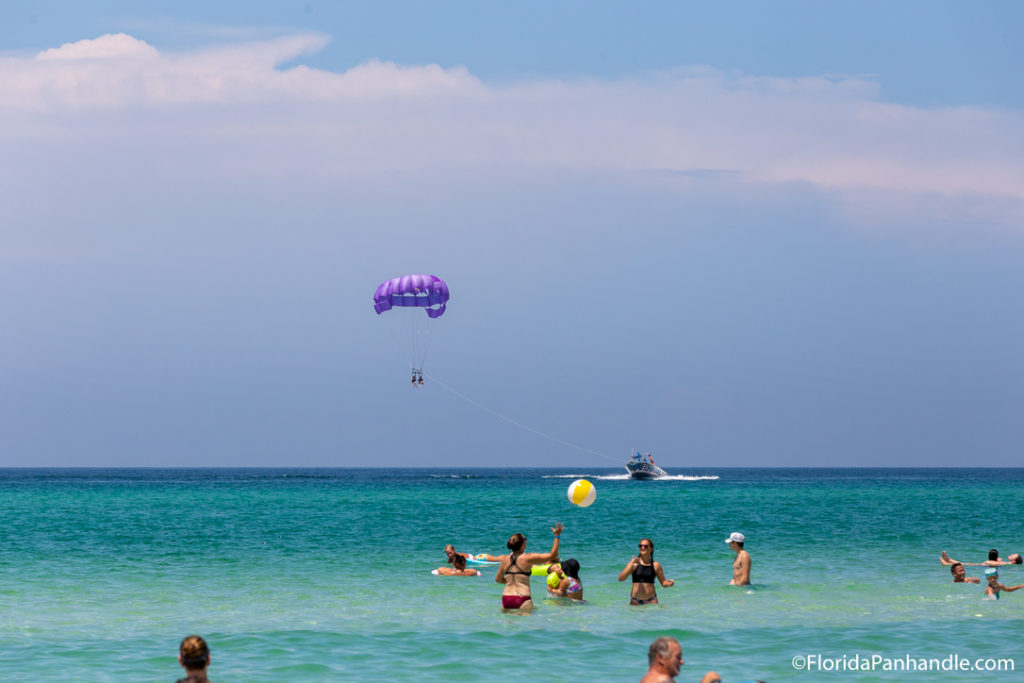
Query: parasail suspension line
[[435, 380]]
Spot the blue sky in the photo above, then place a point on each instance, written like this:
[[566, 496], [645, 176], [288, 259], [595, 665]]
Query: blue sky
[[753, 234]]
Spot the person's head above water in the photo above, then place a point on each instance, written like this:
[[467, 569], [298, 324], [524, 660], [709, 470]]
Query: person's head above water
[[194, 654], [571, 568], [993, 554], [516, 542], [666, 654], [957, 570], [1015, 558], [459, 562], [992, 574], [646, 545]]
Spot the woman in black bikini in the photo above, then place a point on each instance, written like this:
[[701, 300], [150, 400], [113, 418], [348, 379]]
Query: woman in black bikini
[[516, 568], [644, 569]]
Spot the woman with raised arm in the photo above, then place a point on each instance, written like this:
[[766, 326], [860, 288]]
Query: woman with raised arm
[[517, 566], [644, 569]]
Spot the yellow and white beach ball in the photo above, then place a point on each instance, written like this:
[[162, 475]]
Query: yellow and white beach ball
[[582, 492]]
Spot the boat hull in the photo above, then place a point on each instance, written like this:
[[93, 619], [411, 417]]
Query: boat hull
[[644, 471]]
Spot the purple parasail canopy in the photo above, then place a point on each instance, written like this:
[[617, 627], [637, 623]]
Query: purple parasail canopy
[[425, 291]]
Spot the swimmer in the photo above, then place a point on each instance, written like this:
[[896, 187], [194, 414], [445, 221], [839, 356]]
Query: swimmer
[[993, 588], [993, 560], [644, 569], [960, 574], [569, 585], [458, 568], [516, 567], [665, 659], [450, 551], [741, 565], [194, 657]]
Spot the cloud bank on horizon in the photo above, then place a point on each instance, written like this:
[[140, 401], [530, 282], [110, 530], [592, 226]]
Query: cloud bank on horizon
[[718, 267], [832, 132]]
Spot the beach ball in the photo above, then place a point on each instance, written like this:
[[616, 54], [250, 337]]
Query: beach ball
[[582, 492]]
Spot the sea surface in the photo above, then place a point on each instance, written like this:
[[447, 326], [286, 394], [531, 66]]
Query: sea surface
[[324, 574]]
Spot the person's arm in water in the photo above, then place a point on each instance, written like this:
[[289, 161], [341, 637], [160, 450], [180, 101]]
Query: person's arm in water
[[500, 576], [1010, 589], [667, 583], [630, 568]]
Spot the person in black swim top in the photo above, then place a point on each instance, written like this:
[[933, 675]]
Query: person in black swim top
[[516, 567], [644, 570]]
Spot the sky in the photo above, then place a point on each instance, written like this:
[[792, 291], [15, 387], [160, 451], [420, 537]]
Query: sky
[[738, 234]]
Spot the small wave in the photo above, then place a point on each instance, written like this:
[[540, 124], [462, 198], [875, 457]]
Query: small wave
[[569, 476], [454, 476], [686, 477]]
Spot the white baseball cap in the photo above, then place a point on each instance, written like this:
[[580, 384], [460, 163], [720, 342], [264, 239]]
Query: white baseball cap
[[736, 537]]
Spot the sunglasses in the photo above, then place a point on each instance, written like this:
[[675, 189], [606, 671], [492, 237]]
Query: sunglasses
[[644, 545]]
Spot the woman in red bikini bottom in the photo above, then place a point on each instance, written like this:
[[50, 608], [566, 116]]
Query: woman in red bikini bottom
[[644, 569], [516, 568]]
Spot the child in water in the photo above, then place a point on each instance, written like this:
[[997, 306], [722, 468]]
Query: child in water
[[993, 588], [564, 580]]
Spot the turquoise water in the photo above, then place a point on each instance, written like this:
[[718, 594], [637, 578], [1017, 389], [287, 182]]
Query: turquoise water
[[324, 574]]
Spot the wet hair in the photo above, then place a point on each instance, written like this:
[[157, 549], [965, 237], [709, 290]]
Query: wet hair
[[194, 653], [661, 647], [515, 542], [652, 547], [459, 562], [1017, 558], [953, 567], [993, 554], [571, 568]]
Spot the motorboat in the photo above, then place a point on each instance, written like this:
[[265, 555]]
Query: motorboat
[[641, 466]]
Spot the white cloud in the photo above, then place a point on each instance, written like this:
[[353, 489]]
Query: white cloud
[[831, 132], [111, 46]]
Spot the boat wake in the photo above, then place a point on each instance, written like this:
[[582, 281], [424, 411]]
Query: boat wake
[[625, 477]]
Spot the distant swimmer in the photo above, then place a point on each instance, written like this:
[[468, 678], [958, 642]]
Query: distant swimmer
[[993, 588], [517, 566], [993, 560], [741, 565], [960, 574], [450, 551], [665, 659], [458, 568], [569, 585], [644, 570]]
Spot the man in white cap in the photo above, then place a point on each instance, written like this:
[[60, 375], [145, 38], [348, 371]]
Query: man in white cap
[[741, 565]]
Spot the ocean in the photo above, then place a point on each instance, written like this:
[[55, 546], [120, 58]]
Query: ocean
[[324, 574]]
